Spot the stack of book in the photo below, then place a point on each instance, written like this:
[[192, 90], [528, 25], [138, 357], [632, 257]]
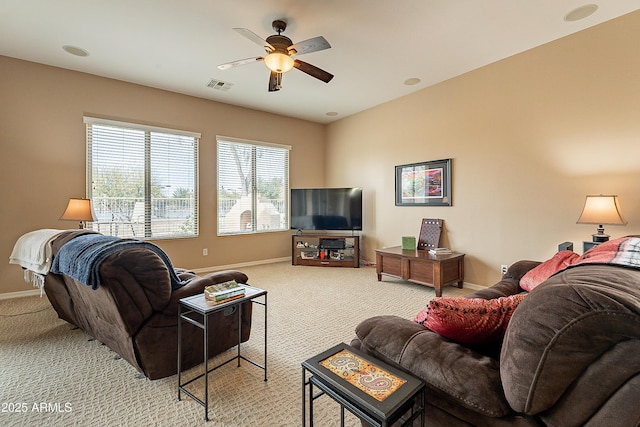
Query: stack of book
[[440, 251], [223, 292]]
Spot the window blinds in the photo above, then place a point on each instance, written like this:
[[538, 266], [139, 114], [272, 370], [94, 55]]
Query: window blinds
[[253, 186], [142, 179]]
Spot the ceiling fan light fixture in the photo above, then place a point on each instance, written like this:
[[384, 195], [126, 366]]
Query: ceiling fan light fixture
[[279, 55], [278, 62]]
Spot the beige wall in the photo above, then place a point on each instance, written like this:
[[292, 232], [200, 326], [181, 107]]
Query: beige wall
[[42, 147], [529, 136]]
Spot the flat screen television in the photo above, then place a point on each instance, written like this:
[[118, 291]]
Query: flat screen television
[[326, 208]]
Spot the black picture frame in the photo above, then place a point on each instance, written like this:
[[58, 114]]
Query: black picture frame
[[424, 183]]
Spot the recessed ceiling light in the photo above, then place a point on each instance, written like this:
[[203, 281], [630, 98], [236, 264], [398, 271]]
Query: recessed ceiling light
[[74, 50], [332, 113], [581, 12], [412, 81]]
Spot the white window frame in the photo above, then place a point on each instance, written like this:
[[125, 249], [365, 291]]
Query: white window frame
[[284, 214], [114, 227]]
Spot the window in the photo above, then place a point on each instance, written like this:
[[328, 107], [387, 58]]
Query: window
[[142, 180], [253, 186]]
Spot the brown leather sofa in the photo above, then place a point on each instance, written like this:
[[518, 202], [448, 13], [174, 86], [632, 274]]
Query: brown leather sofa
[[135, 311], [570, 356]]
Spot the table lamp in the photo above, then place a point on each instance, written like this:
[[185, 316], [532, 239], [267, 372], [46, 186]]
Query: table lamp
[[79, 210], [601, 210]]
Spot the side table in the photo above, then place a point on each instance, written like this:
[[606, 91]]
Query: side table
[[419, 266], [588, 245], [374, 391], [194, 308]]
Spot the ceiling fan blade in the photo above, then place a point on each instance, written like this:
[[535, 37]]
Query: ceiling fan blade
[[255, 38], [307, 46], [313, 71], [275, 81], [239, 62]]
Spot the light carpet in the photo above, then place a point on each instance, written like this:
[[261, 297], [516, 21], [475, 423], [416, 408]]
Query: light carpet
[[52, 375]]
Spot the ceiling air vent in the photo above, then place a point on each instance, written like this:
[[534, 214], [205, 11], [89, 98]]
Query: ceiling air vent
[[219, 85]]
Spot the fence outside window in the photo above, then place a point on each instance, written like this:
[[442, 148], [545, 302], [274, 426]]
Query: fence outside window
[[126, 217]]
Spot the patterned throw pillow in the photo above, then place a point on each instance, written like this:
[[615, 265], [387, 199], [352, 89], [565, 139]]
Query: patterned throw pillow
[[471, 321], [539, 274]]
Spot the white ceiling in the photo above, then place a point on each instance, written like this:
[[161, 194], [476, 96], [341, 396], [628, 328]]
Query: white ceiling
[[376, 45]]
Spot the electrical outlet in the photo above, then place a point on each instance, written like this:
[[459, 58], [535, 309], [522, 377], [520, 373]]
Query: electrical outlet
[[205, 252], [503, 269]]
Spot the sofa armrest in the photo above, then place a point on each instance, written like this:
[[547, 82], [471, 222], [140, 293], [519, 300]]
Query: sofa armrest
[[504, 288], [198, 283], [447, 368], [519, 269], [509, 284], [218, 277]]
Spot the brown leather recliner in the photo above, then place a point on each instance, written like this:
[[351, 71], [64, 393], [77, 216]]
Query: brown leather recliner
[[135, 312], [570, 356]]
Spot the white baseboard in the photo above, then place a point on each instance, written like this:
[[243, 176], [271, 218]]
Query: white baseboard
[[239, 265], [473, 286], [20, 294]]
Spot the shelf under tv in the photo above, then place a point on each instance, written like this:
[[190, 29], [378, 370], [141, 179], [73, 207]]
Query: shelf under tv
[[340, 251]]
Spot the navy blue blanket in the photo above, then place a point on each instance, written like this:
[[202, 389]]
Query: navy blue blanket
[[80, 258]]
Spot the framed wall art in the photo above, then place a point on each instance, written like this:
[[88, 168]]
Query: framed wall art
[[424, 184]]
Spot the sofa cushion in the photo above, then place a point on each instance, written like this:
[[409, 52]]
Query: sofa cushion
[[539, 274], [469, 321], [451, 371]]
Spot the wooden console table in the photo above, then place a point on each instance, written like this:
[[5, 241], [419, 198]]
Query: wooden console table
[[419, 266]]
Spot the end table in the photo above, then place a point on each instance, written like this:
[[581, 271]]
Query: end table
[[194, 308], [374, 391]]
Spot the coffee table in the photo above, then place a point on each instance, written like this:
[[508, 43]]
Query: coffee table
[[374, 391], [195, 308]]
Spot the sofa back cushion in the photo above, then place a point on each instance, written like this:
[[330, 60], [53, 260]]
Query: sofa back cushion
[[572, 325], [139, 280], [102, 317]]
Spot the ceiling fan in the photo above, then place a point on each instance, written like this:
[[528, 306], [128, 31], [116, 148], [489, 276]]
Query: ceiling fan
[[280, 52]]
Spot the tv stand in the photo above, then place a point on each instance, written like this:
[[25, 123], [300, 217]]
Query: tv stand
[[325, 250]]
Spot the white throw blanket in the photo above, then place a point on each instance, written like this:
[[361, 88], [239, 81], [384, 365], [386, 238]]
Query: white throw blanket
[[33, 252]]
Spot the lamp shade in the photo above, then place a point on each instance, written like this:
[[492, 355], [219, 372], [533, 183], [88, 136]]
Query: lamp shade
[[601, 210], [79, 210]]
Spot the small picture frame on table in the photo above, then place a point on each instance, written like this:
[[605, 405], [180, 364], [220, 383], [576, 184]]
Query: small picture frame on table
[[424, 184]]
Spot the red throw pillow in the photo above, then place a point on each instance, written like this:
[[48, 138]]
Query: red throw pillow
[[469, 321], [539, 274]]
